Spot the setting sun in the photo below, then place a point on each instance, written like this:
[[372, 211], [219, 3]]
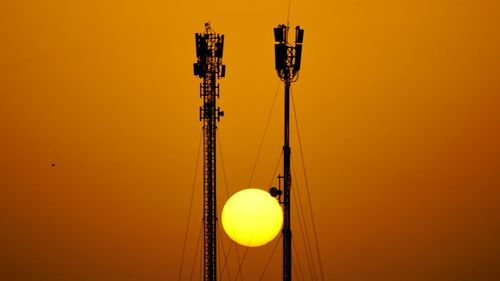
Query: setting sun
[[252, 217]]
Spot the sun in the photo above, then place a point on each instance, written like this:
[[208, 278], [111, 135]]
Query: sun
[[251, 217]]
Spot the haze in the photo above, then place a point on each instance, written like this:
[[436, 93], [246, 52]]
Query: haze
[[397, 102]]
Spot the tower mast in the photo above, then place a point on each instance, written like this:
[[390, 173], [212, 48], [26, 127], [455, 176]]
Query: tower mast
[[287, 62], [209, 68]]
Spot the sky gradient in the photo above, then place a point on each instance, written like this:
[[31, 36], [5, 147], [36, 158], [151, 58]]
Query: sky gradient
[[397, 103]]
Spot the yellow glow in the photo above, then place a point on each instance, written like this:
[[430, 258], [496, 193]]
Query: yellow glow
[[251, 217]]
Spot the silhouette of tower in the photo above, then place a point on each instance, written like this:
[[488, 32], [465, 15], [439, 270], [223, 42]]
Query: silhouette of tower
[[287, 62], [209, 68]]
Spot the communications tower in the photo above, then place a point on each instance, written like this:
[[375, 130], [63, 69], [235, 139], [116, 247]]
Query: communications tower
[[287, 62], [209, 68]]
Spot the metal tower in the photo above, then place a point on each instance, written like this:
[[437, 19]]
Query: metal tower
[[209, 67], [287, 61]]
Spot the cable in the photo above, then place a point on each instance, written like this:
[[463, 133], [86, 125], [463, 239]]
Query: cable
[[196, 254], [303, 226], [190, 206], [263, 136], [225, 257], [269, 259], [276, 168], [240, 265], [227, 194], [298, 261], [218, 251], [222, 162], [228, 253], [307, 188]]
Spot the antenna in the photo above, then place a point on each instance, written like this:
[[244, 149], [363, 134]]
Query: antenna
[[209, 68], [287, 62]]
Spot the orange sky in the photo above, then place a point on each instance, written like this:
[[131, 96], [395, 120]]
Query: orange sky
[[398, 106]]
